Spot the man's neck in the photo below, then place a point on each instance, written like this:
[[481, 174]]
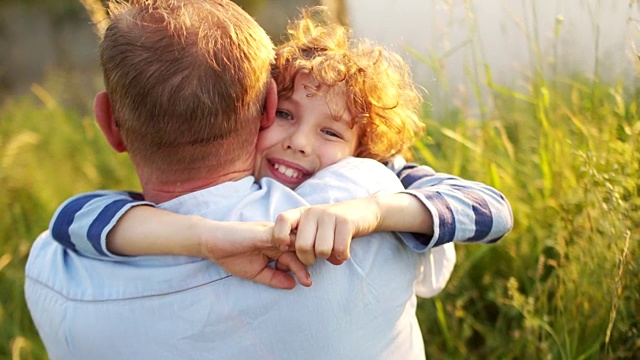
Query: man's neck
[[162, 190]]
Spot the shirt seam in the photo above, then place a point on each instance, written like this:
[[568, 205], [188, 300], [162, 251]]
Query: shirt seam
[[69, 298]]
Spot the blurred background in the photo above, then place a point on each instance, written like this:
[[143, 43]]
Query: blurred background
[[539, 99], [447, 42], [53, 41]]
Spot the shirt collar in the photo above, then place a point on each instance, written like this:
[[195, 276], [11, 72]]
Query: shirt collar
[[227, 192]]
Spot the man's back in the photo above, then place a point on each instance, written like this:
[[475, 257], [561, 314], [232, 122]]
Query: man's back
[[175, 307]]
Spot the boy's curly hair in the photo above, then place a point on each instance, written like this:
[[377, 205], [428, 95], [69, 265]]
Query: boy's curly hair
[[381, 95]]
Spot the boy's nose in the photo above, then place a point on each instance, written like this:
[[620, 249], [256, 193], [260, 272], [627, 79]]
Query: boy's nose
[[299, 141]]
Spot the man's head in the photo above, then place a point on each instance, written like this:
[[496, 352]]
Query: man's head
[[186, 81]]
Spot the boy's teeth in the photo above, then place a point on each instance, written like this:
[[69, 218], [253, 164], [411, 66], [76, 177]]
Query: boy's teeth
[[287, 171]]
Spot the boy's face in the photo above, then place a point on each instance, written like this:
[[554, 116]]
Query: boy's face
[[311, 131]]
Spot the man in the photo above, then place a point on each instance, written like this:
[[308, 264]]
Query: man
[[185, 80]]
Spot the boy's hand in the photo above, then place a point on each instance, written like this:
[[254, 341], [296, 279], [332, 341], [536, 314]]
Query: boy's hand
[[242, 249], [249, 254], [325, 231]]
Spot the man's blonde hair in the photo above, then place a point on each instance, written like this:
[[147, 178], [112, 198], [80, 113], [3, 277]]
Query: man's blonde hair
[[380, 93], [183, 77]]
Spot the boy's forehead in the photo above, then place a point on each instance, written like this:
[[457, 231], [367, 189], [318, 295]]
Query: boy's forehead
[[306, 82], [335, 96]]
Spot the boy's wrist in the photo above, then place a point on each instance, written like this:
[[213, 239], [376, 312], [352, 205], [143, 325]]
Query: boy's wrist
[[403, 212], [196, 241], [379, 203]]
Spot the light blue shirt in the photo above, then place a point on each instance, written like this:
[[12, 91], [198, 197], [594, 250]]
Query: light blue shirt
[[188, 308]]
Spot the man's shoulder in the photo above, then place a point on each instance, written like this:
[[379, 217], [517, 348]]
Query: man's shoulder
[[355, 164], [41, 262], [348, 179], [80, 278], [368, 174]]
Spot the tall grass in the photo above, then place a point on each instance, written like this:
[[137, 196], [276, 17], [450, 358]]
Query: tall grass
[[564, 284], [47, 154], [564, 150]]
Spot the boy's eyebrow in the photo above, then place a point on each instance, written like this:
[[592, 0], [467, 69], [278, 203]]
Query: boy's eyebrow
[[343, 118], [287, 100]]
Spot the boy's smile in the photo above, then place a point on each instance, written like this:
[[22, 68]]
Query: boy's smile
[[286, 172], [311, 131]]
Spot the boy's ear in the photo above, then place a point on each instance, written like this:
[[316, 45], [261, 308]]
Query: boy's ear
[[270, 105], [106, 121]]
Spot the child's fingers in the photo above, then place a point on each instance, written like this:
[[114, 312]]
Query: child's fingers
[[342, 240], [285, 223], [325, 237], [274, 278], [305, 239], [335, 261], [288, 261]]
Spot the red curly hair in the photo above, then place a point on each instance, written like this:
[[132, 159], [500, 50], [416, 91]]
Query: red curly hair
[[381, 94]]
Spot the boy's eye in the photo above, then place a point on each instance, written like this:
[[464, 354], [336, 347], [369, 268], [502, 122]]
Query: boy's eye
[[331, 133], [284, 114]]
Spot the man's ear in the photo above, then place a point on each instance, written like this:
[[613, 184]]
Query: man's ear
[[270, 105], [106, 121]]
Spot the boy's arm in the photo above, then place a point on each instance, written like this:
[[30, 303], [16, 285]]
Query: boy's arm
[[435, 209], [325, 231], [461, 210], [107, 224], [114, 225], [82, 222]]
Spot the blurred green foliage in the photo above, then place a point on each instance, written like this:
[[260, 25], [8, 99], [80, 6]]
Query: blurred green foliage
[[565, 283], [47, 153], [57, 9]]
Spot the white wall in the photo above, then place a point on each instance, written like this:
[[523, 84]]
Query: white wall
[[463, 35]]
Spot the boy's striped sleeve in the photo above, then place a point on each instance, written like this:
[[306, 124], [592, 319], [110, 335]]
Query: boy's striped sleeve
[[463, 210], [82, 222]]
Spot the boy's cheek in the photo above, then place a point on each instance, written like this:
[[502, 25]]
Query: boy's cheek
[[269, 137]]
